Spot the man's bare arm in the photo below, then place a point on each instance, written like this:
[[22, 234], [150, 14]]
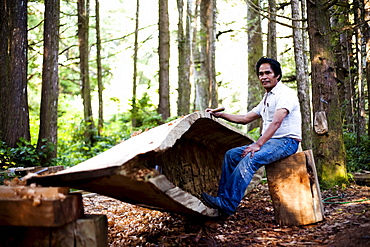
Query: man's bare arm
[[239, 119]]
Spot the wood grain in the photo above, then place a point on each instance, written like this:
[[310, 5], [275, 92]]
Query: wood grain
[[295, 191]]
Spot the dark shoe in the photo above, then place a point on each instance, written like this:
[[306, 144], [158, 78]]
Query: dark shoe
[[210, 201]]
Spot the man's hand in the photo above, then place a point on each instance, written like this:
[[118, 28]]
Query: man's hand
[[215, 112], [251, 149], [276, 122]]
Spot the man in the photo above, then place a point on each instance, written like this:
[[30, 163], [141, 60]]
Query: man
[[280, 137]]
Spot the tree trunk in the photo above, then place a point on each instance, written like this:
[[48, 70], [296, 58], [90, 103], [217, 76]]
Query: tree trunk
[[4, 63], [271, 34], [255, 51], [134, 79], [164, 57], [206, 92], [302, 79], [99, 67], [360, 50], [200, 87], [48, 132], [210, 11], [184, 86], [343, 61], [205, 87], [14, 118], [367, 36], [83, 42], [329, 147]]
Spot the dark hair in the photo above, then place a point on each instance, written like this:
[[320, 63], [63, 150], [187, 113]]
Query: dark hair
[[275, 66]]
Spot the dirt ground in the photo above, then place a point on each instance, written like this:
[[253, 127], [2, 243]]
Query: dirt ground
[[347, 223]]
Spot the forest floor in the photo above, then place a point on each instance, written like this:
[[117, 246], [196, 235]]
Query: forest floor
[[346, 210]]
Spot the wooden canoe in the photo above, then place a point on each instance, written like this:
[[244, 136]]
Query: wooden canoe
[[164, 168]]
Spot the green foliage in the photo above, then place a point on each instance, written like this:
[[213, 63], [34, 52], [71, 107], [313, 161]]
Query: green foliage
[[72, 148], [145, 114], [254, 133], [358, 153], [24, 155]]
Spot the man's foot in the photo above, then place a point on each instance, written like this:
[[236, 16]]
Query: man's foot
[[211, 201]]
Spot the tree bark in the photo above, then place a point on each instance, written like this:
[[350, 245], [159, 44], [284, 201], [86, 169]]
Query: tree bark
[[271, 35], [134, 79], [4, 64], [48, 132], [367, 35], [83, 42], [184, 86], [206, 92], [343, 64], [360, 55], [328, 148], [164, 57], [200, 87], [302, 79], [211, 52], [99, 68], [14, 115], [255, 51]]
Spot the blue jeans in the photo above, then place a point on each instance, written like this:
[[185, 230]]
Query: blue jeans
[[237, 171]]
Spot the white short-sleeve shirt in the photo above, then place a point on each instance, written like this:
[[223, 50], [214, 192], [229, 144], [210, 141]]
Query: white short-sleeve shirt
[[281, 97]]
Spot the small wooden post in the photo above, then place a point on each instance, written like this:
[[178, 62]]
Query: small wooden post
[[39, 206], [92, 231], [87, 231], [294, 190]]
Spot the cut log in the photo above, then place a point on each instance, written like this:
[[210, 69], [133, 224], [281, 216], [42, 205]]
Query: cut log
[[32, 192], [362, 178], [46, 212], [294, 190], [90, 230], [188, 151]]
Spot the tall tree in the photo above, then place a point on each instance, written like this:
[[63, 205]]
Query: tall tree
[[206, 92], [367, 36], [83, 43], [328, 145], [50, 82], [201, 96], [271, 34], [302, 79], [14, 115], [134, 79], [99, 67], [184, 86], [344, 62], [255, 51], [210, 10], [359, 11], [164, 57]]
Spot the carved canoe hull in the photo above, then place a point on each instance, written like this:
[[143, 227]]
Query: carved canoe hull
[[189, 152]]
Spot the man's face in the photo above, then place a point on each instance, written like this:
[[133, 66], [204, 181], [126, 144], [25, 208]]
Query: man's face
[[267, 77]]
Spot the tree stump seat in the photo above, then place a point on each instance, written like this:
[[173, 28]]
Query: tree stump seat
[[294, 190]]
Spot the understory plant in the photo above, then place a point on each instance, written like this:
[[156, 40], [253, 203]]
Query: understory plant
[[358, 152]]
